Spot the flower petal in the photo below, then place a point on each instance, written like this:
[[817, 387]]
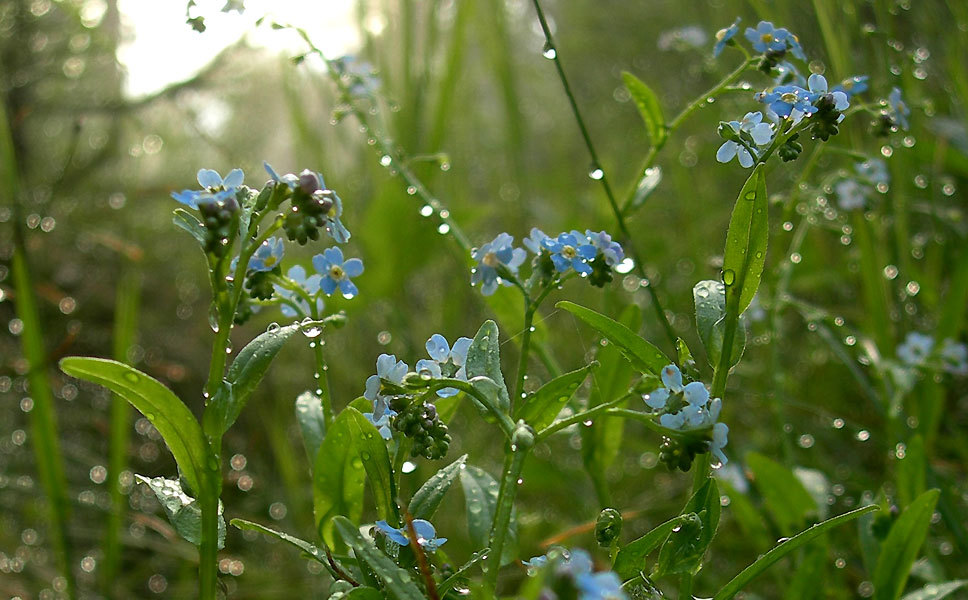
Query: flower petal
[[208, 178], [672, 378], [438, 348], [235, 178], [353, 267]]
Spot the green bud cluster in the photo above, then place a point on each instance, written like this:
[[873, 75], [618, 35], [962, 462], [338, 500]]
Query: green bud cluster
[[219, 218], [679, 453], [791, 149], [420, 422], [310, 207]]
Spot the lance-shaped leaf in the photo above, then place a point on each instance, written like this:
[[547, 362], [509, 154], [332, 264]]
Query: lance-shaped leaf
[[183, 511], [710, 300], [372, 452], [158, 404], [644, 356], [398, 583], [630, 560], [484, 360], [245, 373], [190, 223], [312, 423], [338, 478], [425, 501], [480, 494], [648, 105], [901, 547], [308, 548], [746, 242], [788, 502], [540, 408]]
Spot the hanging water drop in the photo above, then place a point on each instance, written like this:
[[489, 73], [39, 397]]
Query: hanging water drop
[[549, 51], [596, 173], [426, 210]]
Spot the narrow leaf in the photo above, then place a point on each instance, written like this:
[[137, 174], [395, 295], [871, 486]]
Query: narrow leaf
[[937, 591], [644, 356], [710, 300], [425, 501], [746, 242], [648, 105], [630, 560], [484, 359], [788, 502], [158, 404], [901, 547], [372, 452], [647, 184], [338, 478], [542, 407], [310, 549], [190, 223], [398, 582], [312, 423], [736, 584], [480, 496], [460, 573]]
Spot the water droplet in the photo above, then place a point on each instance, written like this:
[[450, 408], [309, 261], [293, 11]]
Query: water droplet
[[750, 195], [349, 296], [549, 51], [596, 173], [132, 377], [729, 277], [385, 160], [408, 467], [213, 317], [426, 210], [273, 327], [310, 328], [443, 229], [411, 190]]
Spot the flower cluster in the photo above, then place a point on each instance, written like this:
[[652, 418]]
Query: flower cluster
[[390, 369], [776, 42], [918, 351], [313, 206], [426, 534], [589, 254], [687, 408], [573, 572], [445, 361], [744, 139], [218, 204]]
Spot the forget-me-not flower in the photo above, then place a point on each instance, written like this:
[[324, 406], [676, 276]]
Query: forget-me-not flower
[[336, 272], [446, 361], [723, 36], [604, 585], [915, 349], [954, 357], [297, 274], [497, 253], [214, 188], [267, 256], [389, 368], [571, 251], [899, 109], [852, 85], [535, 241], [312, 182], [788, 74], [818, 87], [874, 170], [719, 441], [577, 566], [766, 37], [752, 124], [426, 534], [785, 100], [611, 250], [687, 407], [850, 194]]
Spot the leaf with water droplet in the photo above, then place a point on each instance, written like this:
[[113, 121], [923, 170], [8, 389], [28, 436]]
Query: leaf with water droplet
[[745, 251], [484, 359], [376, 461], [337, 485], [425, 501], [397, 581], [173, 420], [710, 300], [480, 496], [643, 355], [183, 511], [648, 105], [312, 423], [540, 408]]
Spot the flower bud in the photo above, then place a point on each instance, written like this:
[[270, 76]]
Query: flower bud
[[523, 436], [308, 182], [608, 527]]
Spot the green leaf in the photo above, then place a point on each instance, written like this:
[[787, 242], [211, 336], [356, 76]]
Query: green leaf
[[312, 423], [158, 404], [813, 563], [788, 502], [746, 243], [190, 223], [492, 396], [245, 373], [363, 593], [398, 582], [647, 184], [710, 300], [425, 501], [736, 584], [460, 573], [648, 105], [480, 496], [630, 560], [183, 511], [901, 547], [484, 359], [644, 356], [338, 477], [540, 408], [310, 549], [937, 591], [372, 452], [911, 471], [683, 550]]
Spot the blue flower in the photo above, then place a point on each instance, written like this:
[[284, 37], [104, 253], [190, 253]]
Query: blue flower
[[818, 87], [426, 534], [612, 251], [785, 99], [852, 85], [498, 253], [687, 407], [954, 357], [312, 182], [288, 179], [605, 585], [795, 48], [535, 241], [915, 349], [297, 274], [389, 368], [899, 110], [214, 188], [874, 170], [267, 256], [445, 361], [571, 251], [850, 194], [723, 36], [536, 562], [765, 37], [337, 273], [752, 124], [719, 441], [695, 393]]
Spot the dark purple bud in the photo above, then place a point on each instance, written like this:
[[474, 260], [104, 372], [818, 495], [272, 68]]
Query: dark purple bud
[[308, 181]]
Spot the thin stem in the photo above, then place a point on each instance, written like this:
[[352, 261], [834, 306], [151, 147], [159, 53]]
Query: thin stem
[[322, 372], [513, 464], [529, 309], [582, 416], [613, 203]]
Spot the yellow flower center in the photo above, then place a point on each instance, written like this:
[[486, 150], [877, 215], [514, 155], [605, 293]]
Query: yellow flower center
[[336, 272], [270, 261], [569, 252], [789, 97], [491, 260], [767, 38], [720, 35]]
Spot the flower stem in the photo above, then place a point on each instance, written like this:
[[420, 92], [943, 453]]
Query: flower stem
[[613, 203], [321, 372], [513, 464]]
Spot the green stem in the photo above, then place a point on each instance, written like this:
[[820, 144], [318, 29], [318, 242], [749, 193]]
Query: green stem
[[321, 372], [582, 416], [513, 464], [208, 548], [519, 393], [613, 203]]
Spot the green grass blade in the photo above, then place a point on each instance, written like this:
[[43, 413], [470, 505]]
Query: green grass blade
[[901, 547], [736, 584]]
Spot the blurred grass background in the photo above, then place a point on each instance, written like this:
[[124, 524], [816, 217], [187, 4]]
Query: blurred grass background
[[113, 277]]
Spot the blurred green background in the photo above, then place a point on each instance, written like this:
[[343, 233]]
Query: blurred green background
[[466, 78]]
